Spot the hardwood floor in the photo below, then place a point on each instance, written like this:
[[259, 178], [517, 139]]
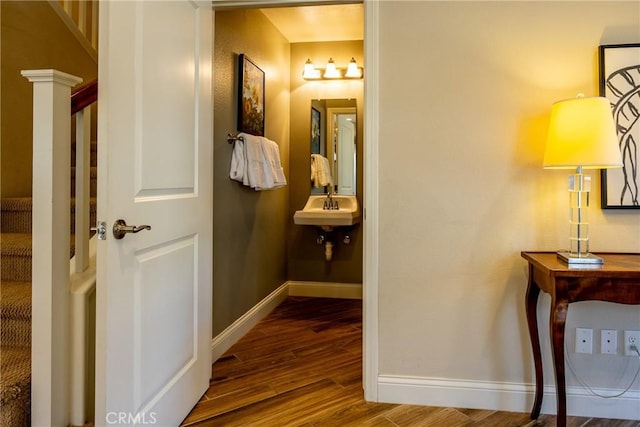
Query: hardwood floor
[[302, 366]]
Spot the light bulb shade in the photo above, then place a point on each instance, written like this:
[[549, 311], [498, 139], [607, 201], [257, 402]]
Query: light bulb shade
[[353, 71], [331, 72], [310, 71], [582, 133]]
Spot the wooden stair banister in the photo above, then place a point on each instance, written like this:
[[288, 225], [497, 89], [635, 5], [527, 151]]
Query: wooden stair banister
[[84, 96]]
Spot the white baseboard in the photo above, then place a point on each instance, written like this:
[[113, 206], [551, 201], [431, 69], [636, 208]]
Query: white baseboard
[[223, 341], [325, 289], [504, 397]]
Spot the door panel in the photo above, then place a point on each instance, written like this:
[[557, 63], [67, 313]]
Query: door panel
[[165, 345], [166, 44]]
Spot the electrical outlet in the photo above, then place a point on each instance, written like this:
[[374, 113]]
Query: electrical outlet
[[631, 338], [608, 341], [584, 340]]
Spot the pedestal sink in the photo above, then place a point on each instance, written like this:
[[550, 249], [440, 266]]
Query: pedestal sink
[[318, 212]]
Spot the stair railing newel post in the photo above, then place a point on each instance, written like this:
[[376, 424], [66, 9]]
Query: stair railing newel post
[[50, 361]]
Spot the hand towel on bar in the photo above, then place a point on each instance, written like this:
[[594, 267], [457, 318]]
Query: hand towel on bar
[[256, 175], [320, 171], [238, 161], [274, 175], [256, 163]]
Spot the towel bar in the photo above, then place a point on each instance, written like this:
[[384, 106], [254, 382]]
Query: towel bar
[[231, 139]]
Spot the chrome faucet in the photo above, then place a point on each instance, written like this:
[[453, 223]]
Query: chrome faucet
[[329, 203]]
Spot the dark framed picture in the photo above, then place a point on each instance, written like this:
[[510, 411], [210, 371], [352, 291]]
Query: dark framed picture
[[315, 131], [620, 84], [250, 97]]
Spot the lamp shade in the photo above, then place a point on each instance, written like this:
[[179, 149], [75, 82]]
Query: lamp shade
[[331, 72], [582, 133]]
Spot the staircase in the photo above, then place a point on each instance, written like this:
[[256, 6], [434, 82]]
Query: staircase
[[16, 219], [15, 299]]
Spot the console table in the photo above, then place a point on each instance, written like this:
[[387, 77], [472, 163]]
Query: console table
[[618, 281]]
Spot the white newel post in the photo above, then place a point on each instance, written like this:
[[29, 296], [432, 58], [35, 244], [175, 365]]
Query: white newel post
[[51, 250]]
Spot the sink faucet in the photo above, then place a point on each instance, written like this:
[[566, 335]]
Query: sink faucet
[[329, 203]]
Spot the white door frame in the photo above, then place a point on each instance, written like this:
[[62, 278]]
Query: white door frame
[[370, 162]]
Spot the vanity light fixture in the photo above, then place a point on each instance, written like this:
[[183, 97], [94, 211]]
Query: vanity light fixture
[[581, 135], [310, 72], [331, 71], [353, 71]]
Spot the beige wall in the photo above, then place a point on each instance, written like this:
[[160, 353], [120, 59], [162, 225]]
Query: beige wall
[[465, 93], [306, 258], [33, 37], [250, 227]]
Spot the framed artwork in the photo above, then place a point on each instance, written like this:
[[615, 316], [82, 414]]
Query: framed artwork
[[620, 84], [250, 97], [315, 131]]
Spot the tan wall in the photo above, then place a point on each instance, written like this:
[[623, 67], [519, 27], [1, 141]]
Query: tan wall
[[465, 94], [306, 258], [33, 37], [250, 227]]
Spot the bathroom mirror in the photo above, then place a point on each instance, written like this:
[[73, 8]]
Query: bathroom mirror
[[333, 136]]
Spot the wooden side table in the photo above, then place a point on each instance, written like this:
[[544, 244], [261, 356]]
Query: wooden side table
[[618, 281]]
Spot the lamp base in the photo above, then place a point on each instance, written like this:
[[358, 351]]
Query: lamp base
[[586, 260]]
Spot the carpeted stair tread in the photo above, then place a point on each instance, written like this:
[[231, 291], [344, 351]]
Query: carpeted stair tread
[[15, 244], [15, 249], [15, 204], [15, 385], [16, 214], [15, 300], [24, 204], [15, 313]]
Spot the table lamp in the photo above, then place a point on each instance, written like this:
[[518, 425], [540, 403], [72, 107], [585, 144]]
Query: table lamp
[[581, 135]]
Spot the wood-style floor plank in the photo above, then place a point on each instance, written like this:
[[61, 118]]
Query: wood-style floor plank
[[302, 366]]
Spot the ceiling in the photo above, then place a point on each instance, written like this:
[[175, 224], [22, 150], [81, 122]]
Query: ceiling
[[318, 23]]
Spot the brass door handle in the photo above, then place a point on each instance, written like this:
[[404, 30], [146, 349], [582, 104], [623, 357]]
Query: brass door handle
[[120, 228]]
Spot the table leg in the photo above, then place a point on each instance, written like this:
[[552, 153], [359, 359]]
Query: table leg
[[532, 321], [558, 317]]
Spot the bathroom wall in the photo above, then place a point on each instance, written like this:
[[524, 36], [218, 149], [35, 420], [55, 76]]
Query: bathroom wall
[[250, 227], [465, 91], [306, 258], [33, 37]]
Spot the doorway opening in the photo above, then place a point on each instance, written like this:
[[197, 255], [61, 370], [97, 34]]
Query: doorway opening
[[236, 203]]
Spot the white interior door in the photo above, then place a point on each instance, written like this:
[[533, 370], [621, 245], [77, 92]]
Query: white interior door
[[154, 291]]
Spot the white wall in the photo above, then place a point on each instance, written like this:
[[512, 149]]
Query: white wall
[[465, 93]]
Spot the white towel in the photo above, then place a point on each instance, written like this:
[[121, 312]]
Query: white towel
[[238, 161], [274, 174], [254, 175], [320, 171], [256, 163]]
